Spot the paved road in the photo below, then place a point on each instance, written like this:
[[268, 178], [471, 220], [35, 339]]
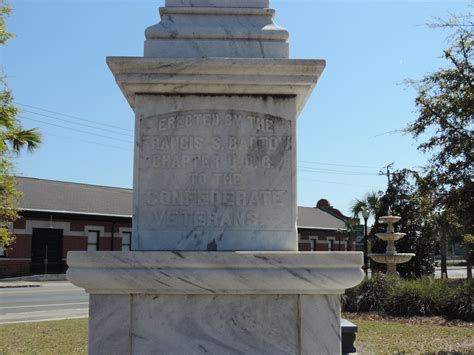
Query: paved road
[[53, 300], [454, 272]]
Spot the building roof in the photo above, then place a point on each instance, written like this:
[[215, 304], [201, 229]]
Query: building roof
[[71, 197], [315, 218], [93, 200]]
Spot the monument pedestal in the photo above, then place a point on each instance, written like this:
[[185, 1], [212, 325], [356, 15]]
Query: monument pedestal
[[215, 152], [215, 302], [215, 267]]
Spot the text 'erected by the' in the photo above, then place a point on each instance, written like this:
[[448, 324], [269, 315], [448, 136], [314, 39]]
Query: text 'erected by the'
[[215, 169]]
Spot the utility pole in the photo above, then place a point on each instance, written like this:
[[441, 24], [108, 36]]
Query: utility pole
[[387, 173]]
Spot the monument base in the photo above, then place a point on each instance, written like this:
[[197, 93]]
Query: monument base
[[218, 324], [214, 302]]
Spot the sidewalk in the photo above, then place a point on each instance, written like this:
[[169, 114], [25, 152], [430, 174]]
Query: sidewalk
[[31, 280]]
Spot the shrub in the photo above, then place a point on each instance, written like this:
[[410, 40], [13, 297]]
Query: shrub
[[349, 299], [453, 299], [460, 302], [420, 297], [368, 296]]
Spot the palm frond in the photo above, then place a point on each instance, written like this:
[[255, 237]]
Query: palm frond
[[19, 138]]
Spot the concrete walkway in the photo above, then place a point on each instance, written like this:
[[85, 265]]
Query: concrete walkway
[[31, 280]]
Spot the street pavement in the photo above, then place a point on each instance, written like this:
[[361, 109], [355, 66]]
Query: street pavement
[[454, 272], [53, 300], [62, 300]]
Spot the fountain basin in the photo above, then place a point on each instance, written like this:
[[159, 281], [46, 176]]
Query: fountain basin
[[390, 219], [390, 236], [398, 258]]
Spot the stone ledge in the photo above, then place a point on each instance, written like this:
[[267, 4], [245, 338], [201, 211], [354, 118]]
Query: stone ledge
[[249, 11], [216, 76], [227, 66], [215, 272], [218, 3]]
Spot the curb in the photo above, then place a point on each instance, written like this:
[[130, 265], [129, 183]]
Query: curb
[[20, 285]]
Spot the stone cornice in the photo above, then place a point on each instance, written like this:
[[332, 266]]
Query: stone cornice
[[216, 76], [215, 272]]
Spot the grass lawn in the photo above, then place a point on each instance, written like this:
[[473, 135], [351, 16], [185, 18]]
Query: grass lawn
[[54, 337], [374, 337], [388, 337]]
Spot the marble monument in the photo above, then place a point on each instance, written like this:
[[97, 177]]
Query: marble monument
[[215, 267]]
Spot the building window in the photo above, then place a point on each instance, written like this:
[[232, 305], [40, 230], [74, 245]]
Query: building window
[[3, 251], [331, 245], [126, 241], [313, 244], [93, 240]]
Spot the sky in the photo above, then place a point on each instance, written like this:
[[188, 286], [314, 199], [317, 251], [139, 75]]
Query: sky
[[56, 70]]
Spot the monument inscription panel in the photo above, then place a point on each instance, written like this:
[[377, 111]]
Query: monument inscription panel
[[209, 178]]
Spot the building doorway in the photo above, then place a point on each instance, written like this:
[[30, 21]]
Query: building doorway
[[47, 251]]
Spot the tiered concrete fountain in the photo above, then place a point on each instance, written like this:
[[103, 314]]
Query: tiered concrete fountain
[[391, 257]]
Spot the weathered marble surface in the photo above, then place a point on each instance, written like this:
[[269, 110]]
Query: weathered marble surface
[[194, 324], [222, 86], [213, 28], [217, 324], [215, 302], [320, 324], [215, 173], [109, 324], [215, 272], [217, 76]]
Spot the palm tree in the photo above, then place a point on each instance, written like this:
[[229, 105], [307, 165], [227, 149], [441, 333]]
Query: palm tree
[[18, 138], [369, 203], [13, 138], [366, 207], [11, 133], [348, 232]]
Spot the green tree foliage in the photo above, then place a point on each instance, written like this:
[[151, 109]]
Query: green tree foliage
[[370, 203], [13, 138], [445, 124], [5, 10], [445, 103], [349, 232], [402, 199]]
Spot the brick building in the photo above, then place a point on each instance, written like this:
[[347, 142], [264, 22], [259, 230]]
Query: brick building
[[317, 228], [58, 216]]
